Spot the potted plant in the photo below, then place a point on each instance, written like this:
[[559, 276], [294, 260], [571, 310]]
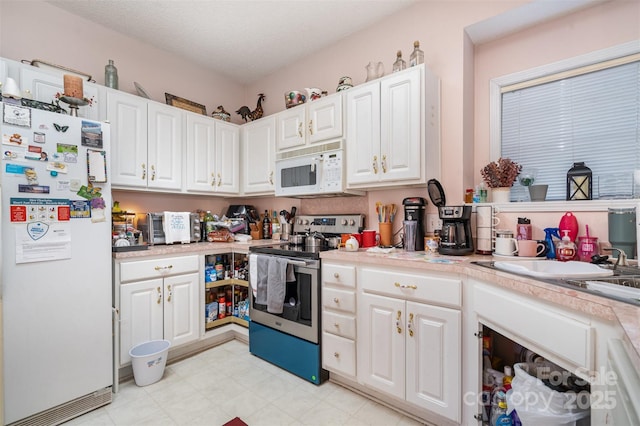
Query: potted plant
[[500, 176]]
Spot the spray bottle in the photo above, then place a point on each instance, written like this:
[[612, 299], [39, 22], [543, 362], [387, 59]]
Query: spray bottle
[[549, 233]]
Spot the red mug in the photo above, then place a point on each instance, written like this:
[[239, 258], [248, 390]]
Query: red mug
[[358, 237], [369, 238]]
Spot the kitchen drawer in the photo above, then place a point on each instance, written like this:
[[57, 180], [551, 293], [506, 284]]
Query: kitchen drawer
[[423, 287], [342, 300], [339, 275], [338, 354], [342, 325], [138, 270]]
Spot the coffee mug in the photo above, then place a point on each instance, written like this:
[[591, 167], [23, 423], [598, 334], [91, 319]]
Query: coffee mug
[[506, 246], [486, 217], [530, 248], [369, 238]]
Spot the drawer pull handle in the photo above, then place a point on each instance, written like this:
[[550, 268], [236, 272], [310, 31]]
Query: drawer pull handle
[[412, 286], [158, 268], [336, 300], [336, 325], [410, 325], [336, 354], [398, 323], [336, 275]]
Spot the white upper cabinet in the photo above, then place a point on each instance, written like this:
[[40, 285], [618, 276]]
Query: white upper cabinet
[[312, 122], [258, 156], [164, 146], [393, 130], [213, 155], [146, 142], [128, 117]]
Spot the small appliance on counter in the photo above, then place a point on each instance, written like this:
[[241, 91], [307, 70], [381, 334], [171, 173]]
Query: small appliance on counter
[[414, 208], [456, 238], [247, 213], [153, 230]]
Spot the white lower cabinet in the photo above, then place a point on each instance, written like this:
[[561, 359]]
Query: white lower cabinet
[[339, 319], [408, 346], [158, 299]]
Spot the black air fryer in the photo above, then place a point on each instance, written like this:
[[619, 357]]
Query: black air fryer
[[414, 210]]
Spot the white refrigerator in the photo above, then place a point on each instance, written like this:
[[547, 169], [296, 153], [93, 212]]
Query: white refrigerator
[[56, 265]]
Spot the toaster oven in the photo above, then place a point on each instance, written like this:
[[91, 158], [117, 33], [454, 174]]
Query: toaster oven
[[150, 224]]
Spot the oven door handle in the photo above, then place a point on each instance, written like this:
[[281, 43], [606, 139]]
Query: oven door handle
[[297, 262]]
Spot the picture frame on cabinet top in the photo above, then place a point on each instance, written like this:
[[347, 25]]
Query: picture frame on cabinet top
[[186, 104]]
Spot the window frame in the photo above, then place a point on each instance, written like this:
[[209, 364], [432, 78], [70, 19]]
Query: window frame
[[495, 116]]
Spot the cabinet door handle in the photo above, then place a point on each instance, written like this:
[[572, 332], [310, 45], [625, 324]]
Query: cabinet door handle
[[300, 129], [160, 268], [410, 325], [411, 286], [375, 164], [153, 172], [271, 178], [384, 164], [144, 171], [398, 322], [336, 355], [159, 295], [213, 179], [311, 127], [219, 179], [169, 294], [336, 275]]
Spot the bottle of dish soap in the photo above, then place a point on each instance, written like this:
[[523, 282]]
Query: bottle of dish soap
[[566, 249], [549, 233]]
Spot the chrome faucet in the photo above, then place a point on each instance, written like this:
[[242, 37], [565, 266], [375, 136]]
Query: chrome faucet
[[622, 257]]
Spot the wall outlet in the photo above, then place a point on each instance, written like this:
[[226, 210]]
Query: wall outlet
[[433, 222]]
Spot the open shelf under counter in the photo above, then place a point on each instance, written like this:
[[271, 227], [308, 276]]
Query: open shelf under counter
[[230, 281], [227, 320]]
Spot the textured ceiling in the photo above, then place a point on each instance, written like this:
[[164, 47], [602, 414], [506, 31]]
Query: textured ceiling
[[241, 39]]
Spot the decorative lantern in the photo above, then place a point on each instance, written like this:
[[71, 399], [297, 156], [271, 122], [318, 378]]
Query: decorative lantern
[[579, 182]]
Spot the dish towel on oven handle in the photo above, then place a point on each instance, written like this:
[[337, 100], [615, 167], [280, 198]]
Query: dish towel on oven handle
[[276, 285], [176, 227], [258, 273]]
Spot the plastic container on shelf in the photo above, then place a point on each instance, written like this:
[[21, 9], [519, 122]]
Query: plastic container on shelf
[[148, 360]]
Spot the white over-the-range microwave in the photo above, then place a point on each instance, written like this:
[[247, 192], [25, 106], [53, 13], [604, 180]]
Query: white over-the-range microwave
[[312, 171]]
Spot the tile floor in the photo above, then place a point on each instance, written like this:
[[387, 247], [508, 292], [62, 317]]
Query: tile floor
[[221, 383]]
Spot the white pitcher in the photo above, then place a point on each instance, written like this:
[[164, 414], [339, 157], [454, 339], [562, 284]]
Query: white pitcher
[[374, 70]]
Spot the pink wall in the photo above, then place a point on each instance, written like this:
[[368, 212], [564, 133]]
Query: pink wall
[[609, 24], [37, 30]]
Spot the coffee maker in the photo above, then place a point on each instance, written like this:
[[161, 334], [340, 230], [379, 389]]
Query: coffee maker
[[414, 208], [456, 238]]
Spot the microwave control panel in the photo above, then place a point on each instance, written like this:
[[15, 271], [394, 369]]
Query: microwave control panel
[[332, 171]]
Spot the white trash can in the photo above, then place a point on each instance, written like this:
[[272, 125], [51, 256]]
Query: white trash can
[[148, 360]]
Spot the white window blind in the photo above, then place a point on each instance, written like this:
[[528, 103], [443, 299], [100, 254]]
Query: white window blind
[[591, 117]]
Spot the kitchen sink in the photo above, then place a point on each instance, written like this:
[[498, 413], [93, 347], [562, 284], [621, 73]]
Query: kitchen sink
[[552, 269], [620, 283]]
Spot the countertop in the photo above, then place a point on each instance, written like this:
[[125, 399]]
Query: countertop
[[193, 248], [627, 315]]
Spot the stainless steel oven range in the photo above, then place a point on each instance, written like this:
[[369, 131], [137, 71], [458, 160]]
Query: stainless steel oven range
[[291, 339]]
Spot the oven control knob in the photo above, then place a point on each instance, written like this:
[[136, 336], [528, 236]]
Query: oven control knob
[[352, 222], [303, 222], [343, 222]]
